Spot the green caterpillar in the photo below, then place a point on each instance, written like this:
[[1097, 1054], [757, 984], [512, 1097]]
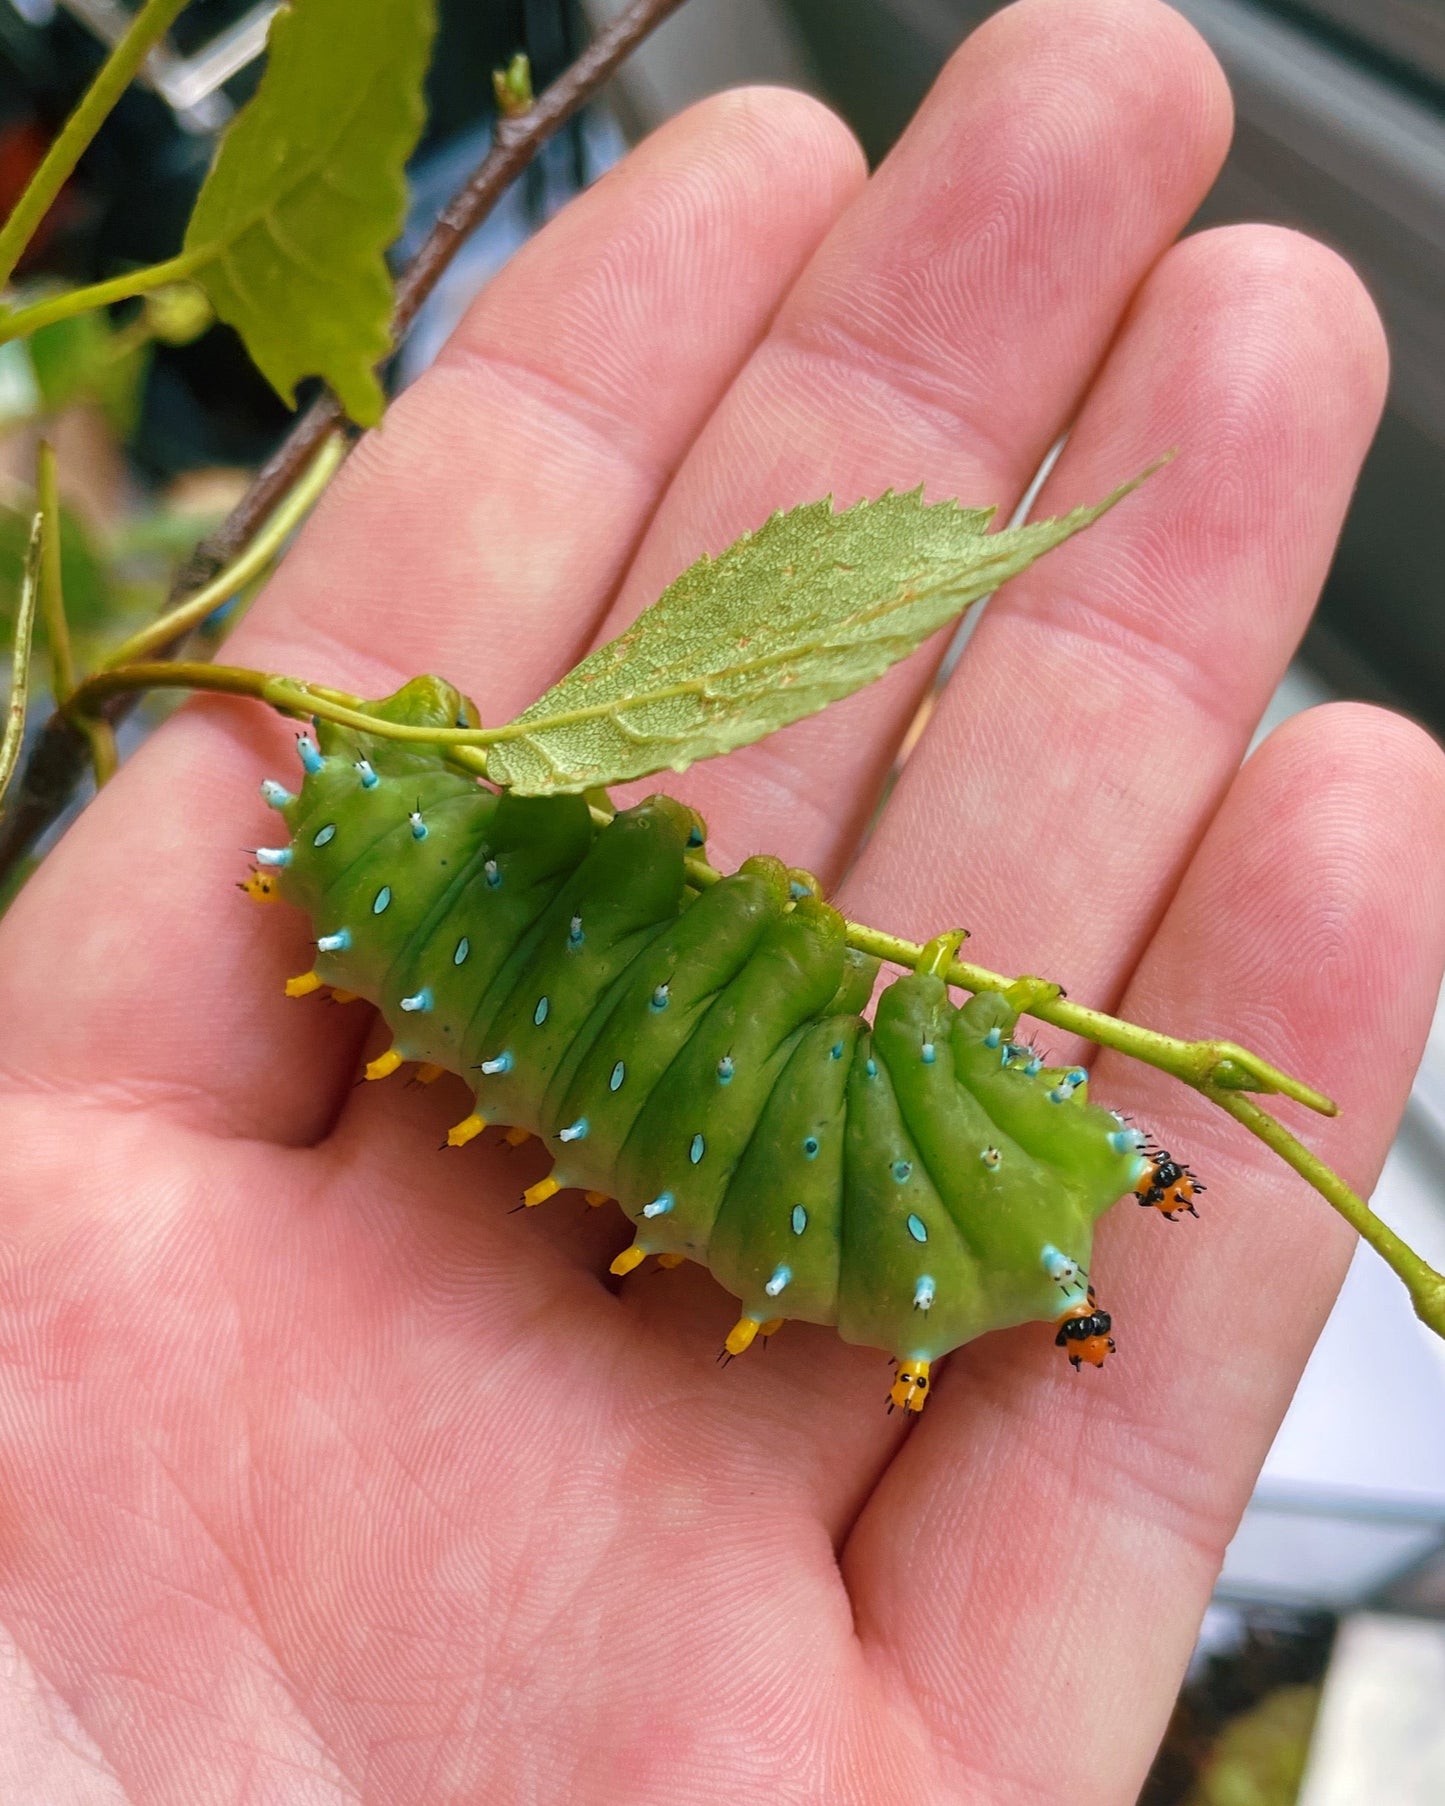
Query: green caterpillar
[[700, 1055]]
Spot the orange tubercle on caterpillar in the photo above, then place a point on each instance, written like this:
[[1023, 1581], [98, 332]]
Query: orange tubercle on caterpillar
[[1168, 1186], [1084, 1332]]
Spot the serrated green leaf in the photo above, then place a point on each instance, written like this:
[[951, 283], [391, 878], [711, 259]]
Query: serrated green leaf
[[788, 619], [307, 191]]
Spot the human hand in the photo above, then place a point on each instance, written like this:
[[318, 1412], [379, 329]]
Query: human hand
[[324, 1477]]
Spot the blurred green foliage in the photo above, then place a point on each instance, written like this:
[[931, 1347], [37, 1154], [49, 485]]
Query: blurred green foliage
[[1259, 1759]]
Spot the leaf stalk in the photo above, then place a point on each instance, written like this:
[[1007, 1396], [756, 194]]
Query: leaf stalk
[[14, 735], [23, 321], [295, 505]]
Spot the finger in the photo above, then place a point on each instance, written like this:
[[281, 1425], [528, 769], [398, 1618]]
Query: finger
[[1064, 1531], [1106, 698], [944, 334], [479, 531]]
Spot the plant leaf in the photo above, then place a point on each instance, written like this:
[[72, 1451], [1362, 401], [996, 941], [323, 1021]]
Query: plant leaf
[[307, 191], [788, 619]]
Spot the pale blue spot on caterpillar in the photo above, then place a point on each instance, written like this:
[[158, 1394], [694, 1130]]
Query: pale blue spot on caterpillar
[[901, 1170], [575, 936], [492, 873], [835, 1052], [929, 1054], [923, 1292], [464, 947], [1059, 1266], [419, 1000], [576, 1131], [1124, 1141], [798, 891], [658, 1000], [810, 1147], [539, 1015], [917, 1228], [992, 1159], [799, 1219], [502, 1063], [1067, 1085], [696, 1149], [694, 837], [340, 942], [619, 1073], [418, 826], [323, 837], [369, 779], [276, 795], [660, 1205], [725, 1070], [383, 901], [993, 1037], [781, 1276], [310, 757], [273, 855], [870, 1066]]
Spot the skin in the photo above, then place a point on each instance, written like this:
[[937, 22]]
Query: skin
[[324, 1478]]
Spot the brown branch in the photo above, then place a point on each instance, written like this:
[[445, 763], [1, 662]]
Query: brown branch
[[58, 759]]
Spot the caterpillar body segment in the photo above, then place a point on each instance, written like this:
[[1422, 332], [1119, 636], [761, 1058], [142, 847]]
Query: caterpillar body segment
[[700, 1056]]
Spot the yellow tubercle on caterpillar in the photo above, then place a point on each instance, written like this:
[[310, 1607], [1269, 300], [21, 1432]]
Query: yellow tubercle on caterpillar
[[671, 1259], [627, 1260], [346, 996], [594, 1198], [515, 1138], [429, 1074], [304, 984], [261, 887], [740, 1337], [772, 1326], [384, 1065], [468, 1129], [910, 1386], [540, 1192]]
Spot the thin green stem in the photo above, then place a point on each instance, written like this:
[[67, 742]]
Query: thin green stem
[[252, 562], [148, 27], [1198, 1063], [25, 320], [52, 610], [52, 588], [1425, 1286], [14, 735]]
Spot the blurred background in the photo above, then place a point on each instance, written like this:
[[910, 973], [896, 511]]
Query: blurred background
[[1320, 1676]]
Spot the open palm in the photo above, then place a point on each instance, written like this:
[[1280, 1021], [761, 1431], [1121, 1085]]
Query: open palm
[[324, 1478]]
